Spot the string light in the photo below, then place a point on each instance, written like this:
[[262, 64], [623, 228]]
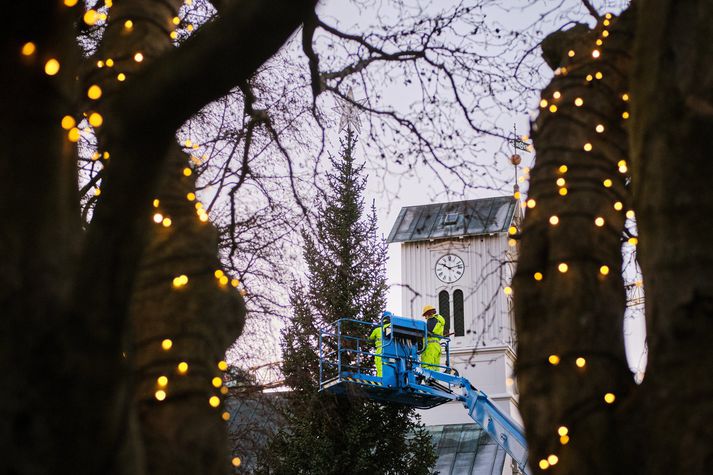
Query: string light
[[633, 241], [217, 382], [160, 394], [561, 182], [630, 214], [96, 119], [90, 17], [156, 202], [73, 135], [587, 147], [226, 416], [222, 365], [100, 64], [121, 76], [579, 102], [162, 381], [552, 459], [609, 398], [599, 128], [538, 276], [571, 53], [554, 360], [166, 344], [563, 191], [183, 367], [607, 183], [109, 62], [68, 122], [580, 362], [191, 196], [180, 281], [625, 115], [234, 282], [128, 25], [556, 95], [563, 267], [236, 461], [175, 20], [157, 218], [214, 401], [563, 169], [598, 75], [553, 108], [531, 203], [138, 57], [544, 464], [554, 220], [599, 221], [508, 290], [618, 206], [28, 49], [52, 67], [564, 439], [187, 172], [70, 3], [94, 92], [604, 270], [562, 430], [166, 222], [596, 54]]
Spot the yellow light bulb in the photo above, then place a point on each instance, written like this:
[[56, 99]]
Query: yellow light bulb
[[234, 282], [94, 92], [73, 134], [100, 64], [224, 390], [552, 459], [203, 217], [563, 267], [624, 115], [553, 108], [623, 169], [607, 183], [68, 122], [531, 203], [121, 77], [587, 147], [52, 67], [226, 416], [589, 77], [28, 49], [96, 119], [554, 360], [128, 24], [598, 75], [160, 394], [561, 182], [223, 280], [599, 128], [157, 218], [96, 155], [557, 95], [604, 270], [109, 63], [214, 401], [217, 382], [571, 53], [563, 169], [633, 241], [618, 206], [516, 195], [156, 202], [187, 171], [508, 290], [554, 220], [625, 97], [580, 362], [563, 191], [97, 191], [222, 365], [166, 222], [183, 367], [70, 3], [599, 42], [106, 155], [609, 398], [599, 221], [538, 276], [175, 20], [236, 461], [605, 33], [543, 103], [191, 196], [189, 27], [162, 381], [544, 464], [606, 22], [579, 102], [596, 54], [563, 430], [630, 214], [90, 17], [138, 57], [564, 439], [218, 274], [512, 242], [166, 344]]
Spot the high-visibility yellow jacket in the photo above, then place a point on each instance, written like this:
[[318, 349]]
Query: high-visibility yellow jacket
[[438, 329], [377, 337]]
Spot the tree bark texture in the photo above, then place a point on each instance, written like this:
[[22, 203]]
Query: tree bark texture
[[672, 123], [569, 310], [75, 395]]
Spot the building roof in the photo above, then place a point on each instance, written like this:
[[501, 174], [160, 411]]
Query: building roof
[[453, 219], [465, 449]]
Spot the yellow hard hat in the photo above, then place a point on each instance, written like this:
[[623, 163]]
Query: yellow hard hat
[[427, 308]]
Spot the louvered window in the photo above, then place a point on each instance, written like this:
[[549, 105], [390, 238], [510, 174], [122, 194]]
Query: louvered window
[[444, 308], [458, 318]]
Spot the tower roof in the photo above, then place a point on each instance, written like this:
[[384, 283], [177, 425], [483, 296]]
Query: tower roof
[[453, 219]]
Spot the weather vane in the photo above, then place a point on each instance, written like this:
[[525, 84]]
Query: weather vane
[[516, 159], [349, 111]]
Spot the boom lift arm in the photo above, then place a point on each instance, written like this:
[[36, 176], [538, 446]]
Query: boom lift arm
[[345, 368]]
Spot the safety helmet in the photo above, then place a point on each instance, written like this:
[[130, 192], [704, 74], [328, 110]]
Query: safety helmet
[[427, 308]]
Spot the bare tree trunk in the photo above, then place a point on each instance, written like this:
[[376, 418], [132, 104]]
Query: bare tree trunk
[[672, 112], [569, 308]]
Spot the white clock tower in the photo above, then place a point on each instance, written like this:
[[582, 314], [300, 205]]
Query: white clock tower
[[455, 256]]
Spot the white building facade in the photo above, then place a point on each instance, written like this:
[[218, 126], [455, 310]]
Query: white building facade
[[456, 257]]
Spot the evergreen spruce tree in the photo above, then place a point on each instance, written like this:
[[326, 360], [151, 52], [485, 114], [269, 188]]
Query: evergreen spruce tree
[[326, 434]]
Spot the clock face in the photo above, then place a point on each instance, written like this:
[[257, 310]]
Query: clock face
[[449, 268]]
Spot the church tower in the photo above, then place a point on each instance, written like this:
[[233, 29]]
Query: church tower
[[455, 256]]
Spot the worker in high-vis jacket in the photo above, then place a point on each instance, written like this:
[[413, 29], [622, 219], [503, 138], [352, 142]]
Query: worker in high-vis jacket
[[378, 338], [431, 356]]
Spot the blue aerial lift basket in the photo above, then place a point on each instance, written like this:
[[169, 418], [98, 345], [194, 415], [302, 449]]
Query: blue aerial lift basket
[[346, 367]]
